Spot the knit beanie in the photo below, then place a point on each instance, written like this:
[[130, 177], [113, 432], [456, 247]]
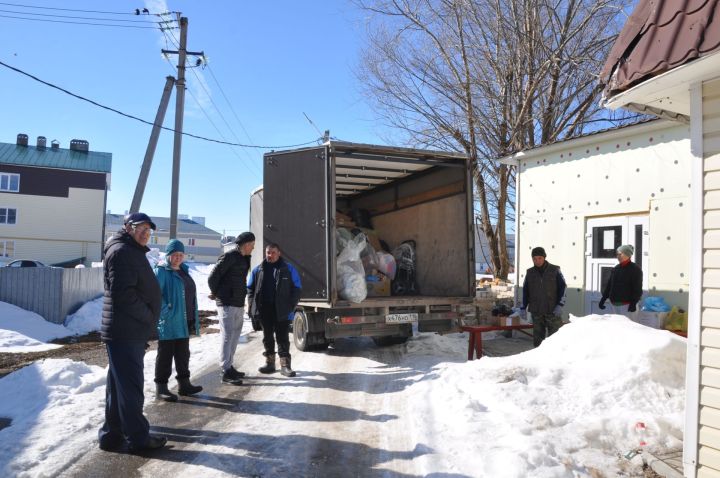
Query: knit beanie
[[538, 251], [626, 249], [174, 245], [245, 237]]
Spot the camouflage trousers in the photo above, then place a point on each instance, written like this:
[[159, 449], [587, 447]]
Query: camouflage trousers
[[544, 326]]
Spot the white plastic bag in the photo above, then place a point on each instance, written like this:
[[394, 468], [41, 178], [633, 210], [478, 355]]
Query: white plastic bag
[[350, 271]]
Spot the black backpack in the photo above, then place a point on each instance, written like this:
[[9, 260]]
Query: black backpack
[[405, 282]]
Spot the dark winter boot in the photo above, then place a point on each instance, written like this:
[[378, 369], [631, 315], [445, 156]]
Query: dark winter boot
[[232, 377], [269, 366], [162, 392], [285, 367], [186, 388]]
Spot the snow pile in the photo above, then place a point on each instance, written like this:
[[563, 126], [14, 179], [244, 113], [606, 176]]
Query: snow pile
[[55, 407], [24, 331], [200, 273], [87, 319], [567, 408]]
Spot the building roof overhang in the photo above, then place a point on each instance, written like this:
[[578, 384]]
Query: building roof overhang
[[668, 95]]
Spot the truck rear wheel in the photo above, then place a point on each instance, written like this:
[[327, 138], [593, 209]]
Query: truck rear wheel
[[300, 330], [303, 338]]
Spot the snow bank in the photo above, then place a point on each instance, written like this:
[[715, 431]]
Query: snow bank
[[24, 331], [87, 319], [55, 407], [567, 408]]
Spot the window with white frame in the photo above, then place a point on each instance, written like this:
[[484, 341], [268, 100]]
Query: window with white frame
[[8, 215], [10, 182], [191, 241], [153, 239], [7, 248]]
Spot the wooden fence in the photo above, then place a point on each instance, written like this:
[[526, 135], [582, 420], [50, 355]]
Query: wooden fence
[[50, 292]]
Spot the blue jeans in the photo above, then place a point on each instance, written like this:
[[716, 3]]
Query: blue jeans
[[124, 397]]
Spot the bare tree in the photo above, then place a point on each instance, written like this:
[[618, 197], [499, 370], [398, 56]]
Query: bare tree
[[489, 78]]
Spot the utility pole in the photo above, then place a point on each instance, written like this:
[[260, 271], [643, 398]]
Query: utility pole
[[152, 144], [179, 110]]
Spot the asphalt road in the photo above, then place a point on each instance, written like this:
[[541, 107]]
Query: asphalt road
[[341, 416]]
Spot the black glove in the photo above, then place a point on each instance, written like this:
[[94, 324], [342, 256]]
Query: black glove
[[632, 307], [601, 305]]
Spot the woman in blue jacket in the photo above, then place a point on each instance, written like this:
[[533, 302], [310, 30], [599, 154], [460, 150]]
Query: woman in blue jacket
[[178, 316]]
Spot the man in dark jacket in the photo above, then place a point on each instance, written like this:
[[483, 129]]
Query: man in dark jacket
[[227, 287], [273, 292], [543, 295], [624, 288], [131, 307]]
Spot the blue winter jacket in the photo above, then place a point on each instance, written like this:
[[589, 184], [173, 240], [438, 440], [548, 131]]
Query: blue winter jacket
[[173, 323]]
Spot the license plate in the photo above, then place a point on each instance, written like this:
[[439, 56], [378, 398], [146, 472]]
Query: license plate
[[400, 318]]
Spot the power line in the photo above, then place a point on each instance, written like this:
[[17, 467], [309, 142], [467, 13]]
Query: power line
[[72, 9], [173, 41], [229, 104], [145, 121], [75, 23], [199, 105], [75, 17]]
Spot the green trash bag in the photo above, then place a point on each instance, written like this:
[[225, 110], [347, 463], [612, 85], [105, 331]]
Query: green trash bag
[[677, 319]]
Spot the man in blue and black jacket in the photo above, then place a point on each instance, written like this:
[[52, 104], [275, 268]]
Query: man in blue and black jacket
[[273, 292]]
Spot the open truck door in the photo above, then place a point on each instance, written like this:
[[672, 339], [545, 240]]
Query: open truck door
[[303, 233]]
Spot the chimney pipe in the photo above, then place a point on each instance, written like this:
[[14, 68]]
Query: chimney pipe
[[55, 144], [41, 142], [22, 139], [79, 145]]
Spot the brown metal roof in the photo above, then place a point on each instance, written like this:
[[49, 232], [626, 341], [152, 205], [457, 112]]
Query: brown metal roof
[[659, 36]]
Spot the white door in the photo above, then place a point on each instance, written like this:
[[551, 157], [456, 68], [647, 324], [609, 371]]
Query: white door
[[603, 237]]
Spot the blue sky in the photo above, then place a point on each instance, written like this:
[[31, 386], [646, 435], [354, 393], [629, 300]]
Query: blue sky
[[269, 62]]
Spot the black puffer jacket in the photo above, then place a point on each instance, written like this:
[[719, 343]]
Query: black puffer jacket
[[625, 284], [228, 278], [131, 305]]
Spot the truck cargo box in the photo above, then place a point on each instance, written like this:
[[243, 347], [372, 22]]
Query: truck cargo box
[[401, 194]]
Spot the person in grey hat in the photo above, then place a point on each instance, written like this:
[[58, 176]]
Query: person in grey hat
[[624, 288], [543, 295], [228, 288]]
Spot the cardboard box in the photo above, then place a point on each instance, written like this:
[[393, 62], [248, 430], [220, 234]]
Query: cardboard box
[[343, 220], [656, 320], [504, 321], [507, 321], [379, 288]]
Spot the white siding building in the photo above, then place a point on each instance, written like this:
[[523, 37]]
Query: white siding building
[[52, 201], [666, 62], [201, 243], [581, 199]]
